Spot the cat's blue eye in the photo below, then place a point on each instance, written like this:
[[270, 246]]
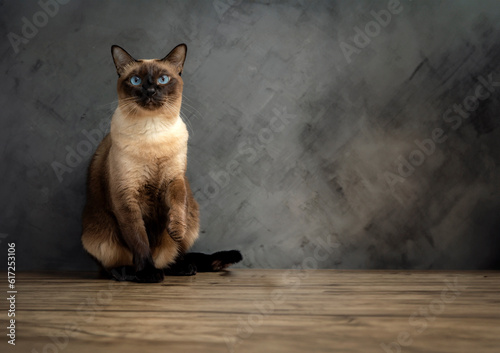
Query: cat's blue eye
[[163, 80], [135, 80]]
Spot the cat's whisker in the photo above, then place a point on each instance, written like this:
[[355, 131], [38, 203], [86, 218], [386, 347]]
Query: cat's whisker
[[182, 116], [188, 98], [185, 116], [186, 119], [190, 106], [115, 102], [191, 112]]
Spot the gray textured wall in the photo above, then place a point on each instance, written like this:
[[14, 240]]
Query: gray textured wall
[[310, 123]]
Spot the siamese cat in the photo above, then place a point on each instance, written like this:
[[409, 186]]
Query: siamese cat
[[141, 217]]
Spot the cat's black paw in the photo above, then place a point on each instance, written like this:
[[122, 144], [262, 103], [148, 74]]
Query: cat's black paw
[[149, 275], [224, 259]]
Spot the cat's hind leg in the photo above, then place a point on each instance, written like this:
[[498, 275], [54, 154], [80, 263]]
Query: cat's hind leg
[[106, 249], [100, 240], [117, 260], [168, 255]]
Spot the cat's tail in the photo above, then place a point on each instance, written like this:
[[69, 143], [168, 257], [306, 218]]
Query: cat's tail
[[193, 262]]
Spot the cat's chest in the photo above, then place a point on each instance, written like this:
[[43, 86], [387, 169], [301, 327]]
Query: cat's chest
[[152, 155]]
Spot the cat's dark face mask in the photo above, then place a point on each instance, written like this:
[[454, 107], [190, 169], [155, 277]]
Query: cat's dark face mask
[[150, 84]]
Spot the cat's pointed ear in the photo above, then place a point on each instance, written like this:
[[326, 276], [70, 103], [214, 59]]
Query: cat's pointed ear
[[177, 57], [121, 58]]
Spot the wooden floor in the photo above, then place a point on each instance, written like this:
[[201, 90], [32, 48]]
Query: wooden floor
[[259, 311]]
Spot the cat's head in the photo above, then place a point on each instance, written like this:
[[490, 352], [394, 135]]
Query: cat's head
[[150, 85]]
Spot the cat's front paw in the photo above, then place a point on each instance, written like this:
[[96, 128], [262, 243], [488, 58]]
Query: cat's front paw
[[149, 275], [177, 230]]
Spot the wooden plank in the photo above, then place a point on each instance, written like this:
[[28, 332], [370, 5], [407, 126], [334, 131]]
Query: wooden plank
[[260, 311]]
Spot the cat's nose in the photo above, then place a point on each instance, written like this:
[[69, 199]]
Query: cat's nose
[[150, 91]]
